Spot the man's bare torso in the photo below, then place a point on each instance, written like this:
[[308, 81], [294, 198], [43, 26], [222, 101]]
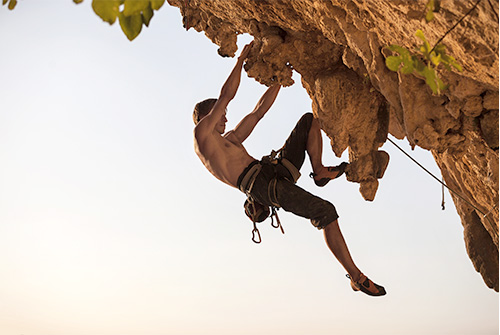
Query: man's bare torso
[[223, 155]]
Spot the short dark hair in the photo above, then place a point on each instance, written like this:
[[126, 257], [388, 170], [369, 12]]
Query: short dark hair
[[202, 108]]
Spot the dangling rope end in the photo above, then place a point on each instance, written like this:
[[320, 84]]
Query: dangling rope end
[[442, 191]]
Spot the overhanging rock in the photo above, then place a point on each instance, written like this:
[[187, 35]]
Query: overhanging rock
[[338, 48]]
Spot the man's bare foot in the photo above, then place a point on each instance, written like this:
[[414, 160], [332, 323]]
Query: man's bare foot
[[322, 177]]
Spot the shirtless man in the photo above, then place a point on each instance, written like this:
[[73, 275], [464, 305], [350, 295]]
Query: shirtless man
[[225, 157]]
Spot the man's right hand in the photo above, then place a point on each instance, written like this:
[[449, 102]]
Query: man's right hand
[[245, 51]]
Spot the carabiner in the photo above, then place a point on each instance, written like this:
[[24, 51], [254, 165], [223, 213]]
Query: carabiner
[[254, 236], [272, 221], [278, 223]]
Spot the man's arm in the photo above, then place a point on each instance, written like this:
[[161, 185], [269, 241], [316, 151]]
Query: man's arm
[[227, 93], [248, 123]]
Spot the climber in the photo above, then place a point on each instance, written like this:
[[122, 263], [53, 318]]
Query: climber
[[271, 181]]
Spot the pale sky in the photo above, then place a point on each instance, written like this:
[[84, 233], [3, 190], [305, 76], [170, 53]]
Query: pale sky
[[110, 225]]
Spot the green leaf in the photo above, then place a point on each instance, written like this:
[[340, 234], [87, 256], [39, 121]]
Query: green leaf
[[131, 25], [440, 48], [430, 78], [420, 34], [107, 10], [393, 62], [147, 14], [447, 59], [12, 4], [447, 66], [433, 81], [425, 48], [418, 65], [134, 6], [442, 86], [4, 2], [429, 15], [156, 4], [400, 50], [407, 67], [457, 66], [435, 59], [77, 1], [450, 60]]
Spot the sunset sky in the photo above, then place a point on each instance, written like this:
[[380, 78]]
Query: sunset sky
[[110, 225]]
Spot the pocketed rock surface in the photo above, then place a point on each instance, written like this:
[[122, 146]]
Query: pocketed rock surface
[[338, 47]]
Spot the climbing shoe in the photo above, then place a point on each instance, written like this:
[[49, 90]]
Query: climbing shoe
[[323, 181], [365, 285]]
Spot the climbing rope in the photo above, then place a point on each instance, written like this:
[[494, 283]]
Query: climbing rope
[[442, 195], [444, 185]]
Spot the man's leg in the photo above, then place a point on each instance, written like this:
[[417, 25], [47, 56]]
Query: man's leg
[[315, 153], [295, 147], [336, 243], [306, 137], [323, 215]]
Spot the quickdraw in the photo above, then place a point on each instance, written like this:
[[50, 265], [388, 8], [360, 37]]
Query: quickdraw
[[256, 238], [259, 215]]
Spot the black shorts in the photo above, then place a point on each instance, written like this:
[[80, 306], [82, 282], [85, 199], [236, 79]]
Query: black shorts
[[289, 196]]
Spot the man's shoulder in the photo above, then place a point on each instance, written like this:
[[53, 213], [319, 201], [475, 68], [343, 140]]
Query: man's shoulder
[[200, 131], [204, 136]]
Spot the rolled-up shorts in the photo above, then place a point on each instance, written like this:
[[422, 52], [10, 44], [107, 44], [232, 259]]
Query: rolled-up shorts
[[289, 196]]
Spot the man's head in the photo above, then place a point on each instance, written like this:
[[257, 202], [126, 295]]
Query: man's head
[[202, 109]]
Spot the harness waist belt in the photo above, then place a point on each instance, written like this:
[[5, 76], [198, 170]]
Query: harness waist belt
[[247, 178], [249, 175]]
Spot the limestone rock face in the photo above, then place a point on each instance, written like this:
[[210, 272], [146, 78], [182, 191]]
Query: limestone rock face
[[338, 47]]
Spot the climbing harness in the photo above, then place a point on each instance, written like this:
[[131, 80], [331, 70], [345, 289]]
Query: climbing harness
[[255, 211], [451, 190]]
